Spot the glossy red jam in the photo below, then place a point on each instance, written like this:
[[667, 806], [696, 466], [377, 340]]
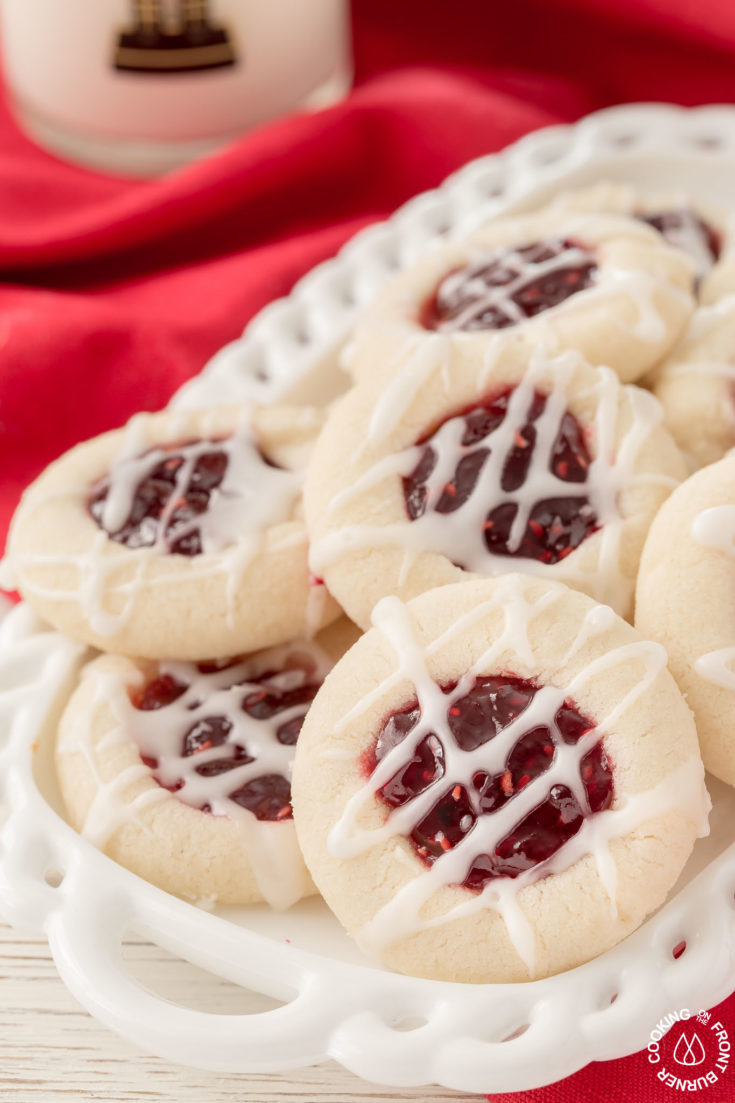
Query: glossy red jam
[[556, 526], [152, 501], [474, 720], [471, 297], [267, 797], [169, 497], [686, 230]]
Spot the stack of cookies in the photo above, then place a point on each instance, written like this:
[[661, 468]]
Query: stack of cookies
[[386, 651]]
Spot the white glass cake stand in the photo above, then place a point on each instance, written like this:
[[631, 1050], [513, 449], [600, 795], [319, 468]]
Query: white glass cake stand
[[326, 999]]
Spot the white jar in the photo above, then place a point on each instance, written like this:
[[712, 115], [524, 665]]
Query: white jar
[[142, 86]]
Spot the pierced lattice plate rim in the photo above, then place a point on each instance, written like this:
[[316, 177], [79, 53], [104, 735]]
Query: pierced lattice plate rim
[[384, 1027]]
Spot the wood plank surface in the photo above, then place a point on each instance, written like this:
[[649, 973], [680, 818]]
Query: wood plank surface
[[52, 1050]]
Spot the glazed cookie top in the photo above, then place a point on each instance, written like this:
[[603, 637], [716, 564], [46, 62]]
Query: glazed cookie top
[[697, 229], [720, 282], [192, 497], [494, 733], [589, 281], [544, 465], [204, 499], [510, 285], [599, 254], [219, 737]]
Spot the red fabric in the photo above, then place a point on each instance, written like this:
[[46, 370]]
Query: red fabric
[[113, 292]]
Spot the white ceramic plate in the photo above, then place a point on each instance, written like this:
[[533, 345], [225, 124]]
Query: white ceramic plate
[[324, 999]]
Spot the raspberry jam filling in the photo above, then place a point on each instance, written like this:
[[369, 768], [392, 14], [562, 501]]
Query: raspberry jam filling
[[685, 230], [176, 497], [510, 285], [476, 719], [169, 495], [555, 526], [218, 743]]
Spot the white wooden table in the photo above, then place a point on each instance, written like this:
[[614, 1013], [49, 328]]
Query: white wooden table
[[51, 1050]]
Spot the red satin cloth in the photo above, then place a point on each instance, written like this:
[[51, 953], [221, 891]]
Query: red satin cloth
[[114, 292]]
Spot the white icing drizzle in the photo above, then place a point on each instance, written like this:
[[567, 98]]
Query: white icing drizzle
[[481, 297], [404, 915], [715, 528], [252, 497], [421, 356], [459, 535], [686, 235], [705, 319], [619, 198], [159, 734], [717, 667], [639, 288]]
